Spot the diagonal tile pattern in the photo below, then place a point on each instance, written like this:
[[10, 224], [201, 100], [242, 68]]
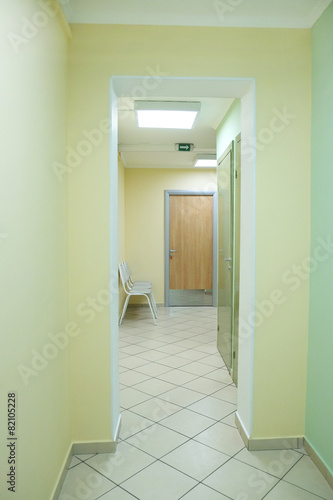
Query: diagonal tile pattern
[[178, 438]]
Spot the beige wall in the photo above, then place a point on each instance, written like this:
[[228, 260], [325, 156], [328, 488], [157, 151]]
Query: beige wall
[[279, 60], [145, 218], [33, 205]]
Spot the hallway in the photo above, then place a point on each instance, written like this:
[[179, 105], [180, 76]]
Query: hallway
[[178, 436]]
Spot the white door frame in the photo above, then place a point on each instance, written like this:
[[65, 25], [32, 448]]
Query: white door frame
[[167, 195], [158, 87]]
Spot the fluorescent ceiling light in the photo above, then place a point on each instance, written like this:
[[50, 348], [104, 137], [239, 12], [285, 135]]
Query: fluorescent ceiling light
[[206, 161], [178, 115]]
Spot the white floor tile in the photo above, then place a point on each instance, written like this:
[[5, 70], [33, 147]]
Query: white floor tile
[[179, 406], [213, 408], [131, 377], [131, 397], [153, 369], [195, 459], [286, 491], [275, 462], [157, 440], [202, 492], [156, 409], [177, 377], [223, 438], [204, 385], [121, 465], [159, 482], [132, 423], [83, 482], [118, 494], [154, 386], [306, 475], [198, 368], [188, 422], [240, 481], [182, 397]]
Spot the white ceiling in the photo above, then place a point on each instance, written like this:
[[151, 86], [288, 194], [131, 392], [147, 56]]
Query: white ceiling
[[234, 13], [156, 148]]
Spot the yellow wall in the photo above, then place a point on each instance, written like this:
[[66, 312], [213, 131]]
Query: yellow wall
[[145, 218], [33, 206], [279, 60]]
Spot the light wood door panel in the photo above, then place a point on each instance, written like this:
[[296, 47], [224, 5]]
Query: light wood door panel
[[191, 234]]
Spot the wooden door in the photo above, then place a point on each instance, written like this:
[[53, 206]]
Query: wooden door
[[190, 242]]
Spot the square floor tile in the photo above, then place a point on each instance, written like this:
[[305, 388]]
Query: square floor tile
[[157, 440], [156, 409], [275, 462], [195, 459], [286, 491], [306, 475], [177, 377], [119, 466], [83, 482], [181, 396], [204, 385], [118, 494], [132, 362], [198, 368], [159, 482], [223, 438], [220, 375], [188, 422], [153, 369], [230, 420], [74, 461], [153, 355], [237, 481], [193, 355], [213, 408], [228, 394], [131, 397], [132, 423], [174, 361], [202, 492], [131, 377], [154, 386]]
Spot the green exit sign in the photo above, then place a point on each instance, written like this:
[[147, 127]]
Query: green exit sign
[[185, 147]]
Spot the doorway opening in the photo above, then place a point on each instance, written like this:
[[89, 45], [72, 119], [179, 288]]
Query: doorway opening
[[244, 89]]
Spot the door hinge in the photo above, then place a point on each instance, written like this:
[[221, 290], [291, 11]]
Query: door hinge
[[234, 354], [236, 174], [218, 328]]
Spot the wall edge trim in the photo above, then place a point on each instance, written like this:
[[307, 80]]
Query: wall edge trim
[[319, 463]]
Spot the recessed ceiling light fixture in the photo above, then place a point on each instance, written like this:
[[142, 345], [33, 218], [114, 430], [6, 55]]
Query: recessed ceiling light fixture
[[205, 161], [158, 114]]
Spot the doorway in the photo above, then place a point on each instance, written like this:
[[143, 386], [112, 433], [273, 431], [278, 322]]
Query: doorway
[[169, 87], [190, 248]]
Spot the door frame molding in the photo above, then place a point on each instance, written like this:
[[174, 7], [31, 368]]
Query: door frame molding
[[167, 194]]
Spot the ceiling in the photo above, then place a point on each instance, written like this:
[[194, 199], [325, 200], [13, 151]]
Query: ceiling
[[156, 148], [234, 13]]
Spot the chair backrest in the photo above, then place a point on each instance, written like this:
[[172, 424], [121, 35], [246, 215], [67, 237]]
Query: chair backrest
[[122, 274]]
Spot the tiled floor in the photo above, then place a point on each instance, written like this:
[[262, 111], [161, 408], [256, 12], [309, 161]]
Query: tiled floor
[[178, 436]]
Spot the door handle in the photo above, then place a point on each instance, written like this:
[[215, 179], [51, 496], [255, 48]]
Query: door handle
[[173, 251], [228, 260]]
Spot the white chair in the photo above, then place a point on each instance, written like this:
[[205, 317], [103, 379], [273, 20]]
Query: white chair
[[145, 284], [135, 289]]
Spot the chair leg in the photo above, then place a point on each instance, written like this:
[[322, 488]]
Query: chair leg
[[151, 309], [124, 310]]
